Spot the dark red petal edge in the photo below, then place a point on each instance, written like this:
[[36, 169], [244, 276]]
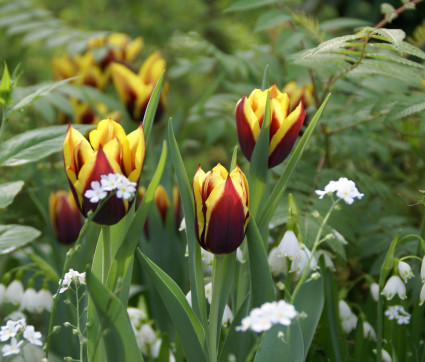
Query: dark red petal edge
[[245, 136]]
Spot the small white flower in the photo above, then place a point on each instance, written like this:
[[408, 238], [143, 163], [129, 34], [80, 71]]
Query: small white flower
[[345, 190], [405, 271], [9, 330], [263, 318], [340, 237], [303, 259], [394, 286], [239, 256], [146, 337], [398, 313], [208, 292], [30, 301], [72, 276], [155, 348], [374, 291], [278, 265], [96, 193], [392, 312], [126, 192], [347, 317], [227, 316], [45, 299], [109, 182], [327, 256], [423, 270], [12, 348], [368, 331], [385, 355], [15, 316], [137, 316], [32, 336], [207, 257], [403, 319], [422, 295], [289, 246], [14, 293]]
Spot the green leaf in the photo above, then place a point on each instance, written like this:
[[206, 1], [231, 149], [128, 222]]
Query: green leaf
[[312, 307], [117, 332], [262, 288], [34, 145], [45, 267], [195, 264], [149, 116], [286, 348], [13, 237], [271, 19], [8, 191], [40, 92], [240, 5], [185, 321], [278, 191]]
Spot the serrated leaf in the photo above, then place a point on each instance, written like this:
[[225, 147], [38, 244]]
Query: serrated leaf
[[27, 26], [39, 35], [13, 237], [8, 191], [410, 110], [34, 145], [271, 19]]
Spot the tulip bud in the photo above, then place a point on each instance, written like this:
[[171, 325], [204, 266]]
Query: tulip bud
[[284, 125], [64, 216], [109, 151], [135, 90], [299, 94], [221, 204]]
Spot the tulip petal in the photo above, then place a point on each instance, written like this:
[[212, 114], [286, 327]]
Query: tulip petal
[[225, 219], [106, 131], [134, 158], [198, 181], [247, 127]]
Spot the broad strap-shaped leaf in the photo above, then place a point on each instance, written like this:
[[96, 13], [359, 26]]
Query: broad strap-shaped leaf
[[150, 112], [262, 288], [278, 191], [34, 145], [187, 324], [117, 332], [8, 191], [310, 300], [13, 237], [281, 343], [195, 264]]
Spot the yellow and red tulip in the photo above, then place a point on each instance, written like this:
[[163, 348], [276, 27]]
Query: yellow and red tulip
[[85, 114], [284, 125], [299, 94], [108, 150], [135, 90], [65, 217], [221, 205]]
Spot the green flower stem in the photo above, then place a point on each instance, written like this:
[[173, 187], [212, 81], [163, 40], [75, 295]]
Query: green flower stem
[[80, 336], [313, 250], [215, 318], [106, 252]]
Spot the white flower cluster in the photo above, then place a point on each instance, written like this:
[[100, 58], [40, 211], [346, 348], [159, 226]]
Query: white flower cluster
[[227, 314], [18, 332], [345, 189], [263, 318], [124, 188], [28, 300], [71, 277], [290, 248], [349, 321], [398, 313], [147, 340]]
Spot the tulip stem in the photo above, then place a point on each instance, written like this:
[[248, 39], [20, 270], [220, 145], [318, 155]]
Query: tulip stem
[[215, 320], [106, 252]]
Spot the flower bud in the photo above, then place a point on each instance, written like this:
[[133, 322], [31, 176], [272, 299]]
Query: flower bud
[[221, 204], [405, 271], [284, 125], [64, 216]]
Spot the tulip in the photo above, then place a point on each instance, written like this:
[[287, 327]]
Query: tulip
[[109, 151], [135, 90], [64, 216], [221, 204], [85, 114], [299, 94], [284, 125]]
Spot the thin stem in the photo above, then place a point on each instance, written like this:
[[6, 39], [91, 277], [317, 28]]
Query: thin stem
[[106, 252], [215, 320], [80, 337], [385, 21], [313, 250], [3, 121]]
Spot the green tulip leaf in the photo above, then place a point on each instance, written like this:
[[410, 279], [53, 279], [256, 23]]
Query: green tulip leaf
[[196, 274], [279, 190], [185, 321], [117, 332], [149, 116], [281, 343], [262, 288], [34, 145], [13, 237], [8, 191]]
